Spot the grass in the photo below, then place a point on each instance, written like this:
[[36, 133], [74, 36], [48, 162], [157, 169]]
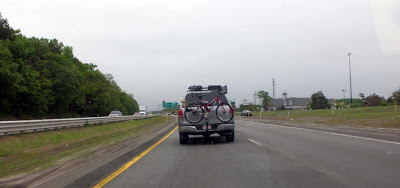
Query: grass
[[33, 152], [380, 116]]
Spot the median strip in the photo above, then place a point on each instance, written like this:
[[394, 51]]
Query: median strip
[[31, 155]]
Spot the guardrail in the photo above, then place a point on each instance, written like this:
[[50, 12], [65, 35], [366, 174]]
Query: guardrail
[[8, 127]]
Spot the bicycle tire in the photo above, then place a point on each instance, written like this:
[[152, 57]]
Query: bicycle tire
[[230, 111], [189, 112]]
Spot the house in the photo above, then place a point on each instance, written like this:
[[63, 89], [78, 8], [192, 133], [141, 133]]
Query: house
[[332, 102], [292, 103]]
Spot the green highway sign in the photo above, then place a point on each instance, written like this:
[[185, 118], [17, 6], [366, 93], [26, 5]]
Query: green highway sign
[[169, 104]]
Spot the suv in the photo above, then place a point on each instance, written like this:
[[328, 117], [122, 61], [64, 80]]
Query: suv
[[246, 113], [212, 110]]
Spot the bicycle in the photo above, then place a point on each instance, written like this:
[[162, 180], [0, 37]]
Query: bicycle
[[195, 112]]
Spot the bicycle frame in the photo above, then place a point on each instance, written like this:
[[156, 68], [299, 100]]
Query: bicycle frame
[[212, 103]]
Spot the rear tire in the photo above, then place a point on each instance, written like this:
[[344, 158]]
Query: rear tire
[[230, 137], [183, 138], [194, 113], [222, 111]]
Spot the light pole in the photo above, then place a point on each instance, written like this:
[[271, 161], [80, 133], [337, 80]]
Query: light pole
[[351, 92], [344, 95], [255, 95]]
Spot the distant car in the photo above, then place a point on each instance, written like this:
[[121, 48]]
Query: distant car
[[115, 113], [246, 113], [136, 114]]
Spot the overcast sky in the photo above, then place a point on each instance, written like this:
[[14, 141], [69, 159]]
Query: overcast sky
[[155, 49]]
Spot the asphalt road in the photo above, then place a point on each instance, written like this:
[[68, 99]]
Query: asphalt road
[[267, 156]]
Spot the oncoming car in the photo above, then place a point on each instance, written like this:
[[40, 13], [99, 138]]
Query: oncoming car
[[115, 113]]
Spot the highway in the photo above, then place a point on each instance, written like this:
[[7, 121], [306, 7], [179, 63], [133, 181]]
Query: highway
[[267, 156]]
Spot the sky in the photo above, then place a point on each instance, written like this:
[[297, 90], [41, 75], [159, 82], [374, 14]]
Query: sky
[[155, 49]]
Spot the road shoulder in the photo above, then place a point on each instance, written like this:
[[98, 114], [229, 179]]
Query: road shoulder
[[391, 135], [92, 171]]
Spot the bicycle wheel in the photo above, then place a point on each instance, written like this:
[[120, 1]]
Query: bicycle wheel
[[194, 113], [224, 112]]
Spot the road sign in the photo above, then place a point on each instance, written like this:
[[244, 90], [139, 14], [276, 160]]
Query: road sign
[[169, 104]]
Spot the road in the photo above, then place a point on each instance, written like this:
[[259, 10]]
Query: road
[[267, 156]]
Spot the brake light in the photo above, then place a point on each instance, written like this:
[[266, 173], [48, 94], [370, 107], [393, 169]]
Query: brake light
[[180, 113]]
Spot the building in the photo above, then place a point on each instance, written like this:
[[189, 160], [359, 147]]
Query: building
[[292, 103]]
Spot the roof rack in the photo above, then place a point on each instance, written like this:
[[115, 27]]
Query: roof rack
[[212, 88]]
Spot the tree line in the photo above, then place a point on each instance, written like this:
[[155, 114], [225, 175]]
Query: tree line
[[319, 101], [42, 78]]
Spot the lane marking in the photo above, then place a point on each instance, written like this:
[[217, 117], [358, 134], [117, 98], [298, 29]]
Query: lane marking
[[350, 127], [130, 163], [255, 142], [334, 133]]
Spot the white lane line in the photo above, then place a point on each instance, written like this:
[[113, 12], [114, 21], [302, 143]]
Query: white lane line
[[334, 134], [255, 142]]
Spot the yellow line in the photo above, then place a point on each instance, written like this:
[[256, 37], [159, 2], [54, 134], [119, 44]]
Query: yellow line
[[128, 164]]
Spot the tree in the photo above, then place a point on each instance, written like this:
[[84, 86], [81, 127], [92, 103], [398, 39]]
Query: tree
[[389, 100], [396, 95], [265, 98], [319, 101], [362, 95], [373, 100], [6, 31], [232, 104], [41, 78]]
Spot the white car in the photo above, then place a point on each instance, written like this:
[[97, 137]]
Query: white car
[[115, 113]]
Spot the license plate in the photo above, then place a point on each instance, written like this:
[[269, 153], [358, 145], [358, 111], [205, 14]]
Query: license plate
[[204, 127]]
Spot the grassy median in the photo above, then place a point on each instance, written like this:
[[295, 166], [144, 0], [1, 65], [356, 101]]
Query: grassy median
[[38, 151], [380, 116]]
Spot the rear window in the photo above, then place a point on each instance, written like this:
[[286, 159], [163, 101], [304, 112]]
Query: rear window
[[114, 112], [208, 97]]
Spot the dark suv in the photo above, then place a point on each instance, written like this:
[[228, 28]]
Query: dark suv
[[246, 113], [209, 121]]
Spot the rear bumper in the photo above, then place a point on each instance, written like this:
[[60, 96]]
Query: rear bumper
[[221, 129]]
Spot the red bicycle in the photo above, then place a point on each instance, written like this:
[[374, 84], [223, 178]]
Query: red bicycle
[[195, 112]]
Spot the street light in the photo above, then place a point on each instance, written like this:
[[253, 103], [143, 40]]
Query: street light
[[351, 92], [344, 95]]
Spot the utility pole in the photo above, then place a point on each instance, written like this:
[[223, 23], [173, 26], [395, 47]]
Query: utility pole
[[255, 95], [344, 95], [259, 99], [273, 88], [351, 92]]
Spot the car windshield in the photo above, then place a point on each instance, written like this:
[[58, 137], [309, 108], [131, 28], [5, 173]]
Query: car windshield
[[115, 112]]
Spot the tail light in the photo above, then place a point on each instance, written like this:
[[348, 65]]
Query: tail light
[[180, 113]]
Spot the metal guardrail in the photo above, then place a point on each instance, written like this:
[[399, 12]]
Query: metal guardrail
[[12, 127]]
